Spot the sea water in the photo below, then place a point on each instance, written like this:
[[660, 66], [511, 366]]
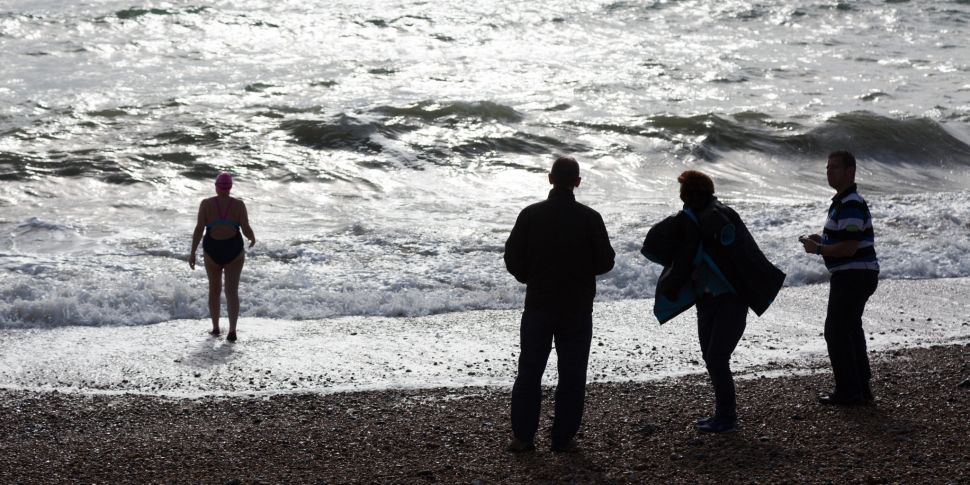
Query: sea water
[[384, 148]]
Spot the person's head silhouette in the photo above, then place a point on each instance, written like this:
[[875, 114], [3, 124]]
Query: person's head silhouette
[[565, 173], [223, 183], [696, 189], [840, 170]]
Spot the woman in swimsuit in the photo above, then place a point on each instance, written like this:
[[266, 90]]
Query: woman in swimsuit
[[222, 217]]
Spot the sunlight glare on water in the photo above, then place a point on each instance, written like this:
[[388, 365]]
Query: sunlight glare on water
[[385, 148]]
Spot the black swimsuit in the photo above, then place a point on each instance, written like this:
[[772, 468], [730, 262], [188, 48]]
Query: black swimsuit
[[222, 251]]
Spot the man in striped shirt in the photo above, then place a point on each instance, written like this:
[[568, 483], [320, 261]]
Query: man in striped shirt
[[847, 246]]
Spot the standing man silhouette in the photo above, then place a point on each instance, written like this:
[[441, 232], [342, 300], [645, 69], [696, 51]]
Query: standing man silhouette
[[848, 248], [556, 248]]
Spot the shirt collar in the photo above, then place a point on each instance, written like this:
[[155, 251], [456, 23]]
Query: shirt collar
[[560, 193], [702, 209], [841, 195]]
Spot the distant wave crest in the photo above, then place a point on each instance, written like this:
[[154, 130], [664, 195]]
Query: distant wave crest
[[709, 136], [463, 133], [342, 132], [431, 111]]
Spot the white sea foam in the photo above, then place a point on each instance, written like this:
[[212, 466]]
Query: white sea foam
[[393, 255], [177, 358]]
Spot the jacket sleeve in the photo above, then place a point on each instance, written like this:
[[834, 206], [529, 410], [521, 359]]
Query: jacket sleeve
[[603, 254], [660, 244], [517, 249], [682, 267]]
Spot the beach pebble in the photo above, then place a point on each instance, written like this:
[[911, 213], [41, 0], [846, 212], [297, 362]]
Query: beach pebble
[[456, 435]]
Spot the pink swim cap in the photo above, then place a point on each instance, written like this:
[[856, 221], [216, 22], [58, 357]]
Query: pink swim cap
[[224, 182]]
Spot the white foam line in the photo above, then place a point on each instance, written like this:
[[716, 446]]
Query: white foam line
[[478, 348]]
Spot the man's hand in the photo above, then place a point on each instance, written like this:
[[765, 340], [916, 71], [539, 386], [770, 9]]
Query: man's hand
[[811, 243], [192, 260]]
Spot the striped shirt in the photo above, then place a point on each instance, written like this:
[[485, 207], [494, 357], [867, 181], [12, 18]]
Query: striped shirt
[[849, 220]]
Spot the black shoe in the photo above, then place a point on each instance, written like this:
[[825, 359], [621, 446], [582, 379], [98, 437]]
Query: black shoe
[[718, 425], [567, 447], [837, 399], [520, 446], [231, 337], [703, 421]]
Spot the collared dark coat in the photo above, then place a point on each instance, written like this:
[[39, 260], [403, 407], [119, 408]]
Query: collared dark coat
[[557, 248], [737, 255], [723, 236]]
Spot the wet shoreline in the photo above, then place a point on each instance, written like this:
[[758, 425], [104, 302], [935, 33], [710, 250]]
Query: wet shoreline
[[454, 350]]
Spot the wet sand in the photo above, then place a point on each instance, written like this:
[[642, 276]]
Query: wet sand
[[633, 432]]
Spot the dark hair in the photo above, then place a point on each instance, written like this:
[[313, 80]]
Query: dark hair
[[844, 157], [696, 189], [565, 171]]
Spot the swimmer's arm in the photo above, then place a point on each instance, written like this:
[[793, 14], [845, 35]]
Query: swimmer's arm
[[244, 224], [197, 234]]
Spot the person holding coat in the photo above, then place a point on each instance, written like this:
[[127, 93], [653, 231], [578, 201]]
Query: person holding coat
[[710, 259]]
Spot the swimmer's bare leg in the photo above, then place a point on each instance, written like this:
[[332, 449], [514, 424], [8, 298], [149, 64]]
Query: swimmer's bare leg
[[233, 270], [214, 272]]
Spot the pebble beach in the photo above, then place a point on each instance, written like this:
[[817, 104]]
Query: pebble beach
[[634, 432]]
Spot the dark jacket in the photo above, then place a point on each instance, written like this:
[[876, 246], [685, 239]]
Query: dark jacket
[[557, 248], [726, 242], [674, 243]]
